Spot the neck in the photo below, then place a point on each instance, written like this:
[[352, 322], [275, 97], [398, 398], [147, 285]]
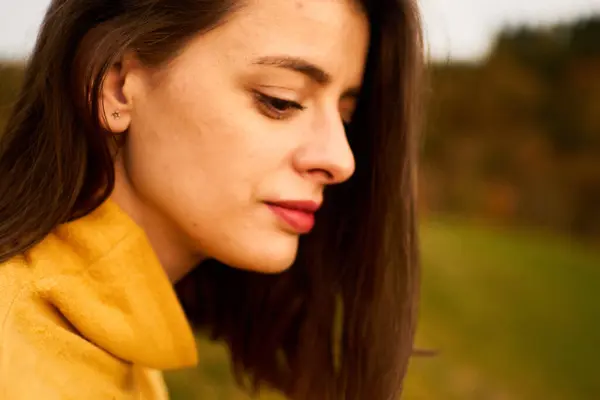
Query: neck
[[168, 243]]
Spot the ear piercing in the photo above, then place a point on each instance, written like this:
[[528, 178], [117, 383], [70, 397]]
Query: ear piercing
[[116, 114]]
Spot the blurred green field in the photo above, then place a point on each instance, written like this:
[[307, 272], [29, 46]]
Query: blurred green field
[[513, 314]]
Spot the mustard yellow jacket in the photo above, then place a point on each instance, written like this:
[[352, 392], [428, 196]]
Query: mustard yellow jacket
[[89, 314]]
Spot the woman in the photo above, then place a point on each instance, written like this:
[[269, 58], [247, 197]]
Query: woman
[[188, 146]]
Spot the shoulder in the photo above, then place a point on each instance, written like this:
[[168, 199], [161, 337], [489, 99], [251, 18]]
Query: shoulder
[[24, 309], [41, 353]]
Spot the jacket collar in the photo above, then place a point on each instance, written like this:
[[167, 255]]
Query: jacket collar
[[106, 280]]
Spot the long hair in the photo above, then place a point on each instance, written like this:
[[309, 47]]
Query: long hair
[[339, 324]]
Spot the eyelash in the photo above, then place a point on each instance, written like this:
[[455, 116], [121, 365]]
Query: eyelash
[[275, 107]]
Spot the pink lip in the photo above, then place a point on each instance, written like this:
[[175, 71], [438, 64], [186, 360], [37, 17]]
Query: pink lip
[[299, 215]]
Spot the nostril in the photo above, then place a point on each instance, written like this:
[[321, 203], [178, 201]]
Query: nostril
[[323, 175]]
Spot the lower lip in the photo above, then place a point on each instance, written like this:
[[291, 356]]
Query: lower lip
[[300, 221]]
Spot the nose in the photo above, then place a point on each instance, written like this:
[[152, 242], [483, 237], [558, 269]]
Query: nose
[[326, 156]]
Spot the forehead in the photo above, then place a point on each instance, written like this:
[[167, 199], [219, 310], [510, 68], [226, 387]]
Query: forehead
[[332, 34]]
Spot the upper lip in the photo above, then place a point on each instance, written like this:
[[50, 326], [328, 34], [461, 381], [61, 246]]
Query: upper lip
[[309, 206]]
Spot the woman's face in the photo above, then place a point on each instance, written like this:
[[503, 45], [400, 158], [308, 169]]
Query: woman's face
[[232, 144]]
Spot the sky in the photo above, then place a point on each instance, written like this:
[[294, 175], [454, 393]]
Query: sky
[[454, 29]]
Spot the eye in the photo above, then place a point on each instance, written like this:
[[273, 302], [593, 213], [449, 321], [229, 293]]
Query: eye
[[275, 107], [347, 109]]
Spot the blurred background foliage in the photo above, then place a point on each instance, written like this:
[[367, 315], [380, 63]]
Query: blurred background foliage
[[516, 137], [510, 204]]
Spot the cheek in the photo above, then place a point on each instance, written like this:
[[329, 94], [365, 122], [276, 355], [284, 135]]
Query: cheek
[[189, 143], [190, 168]]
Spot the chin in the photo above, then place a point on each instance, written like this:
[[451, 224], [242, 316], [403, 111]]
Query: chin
[[267, 258]]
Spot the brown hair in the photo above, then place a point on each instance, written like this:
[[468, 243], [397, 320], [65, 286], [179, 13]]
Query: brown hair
[[356, 274]]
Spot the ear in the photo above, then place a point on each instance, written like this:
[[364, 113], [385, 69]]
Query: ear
[[116, 97]]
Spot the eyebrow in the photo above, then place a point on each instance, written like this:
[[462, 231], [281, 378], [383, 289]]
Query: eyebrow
[[305, 68]]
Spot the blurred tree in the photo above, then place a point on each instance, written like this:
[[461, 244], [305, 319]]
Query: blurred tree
[[11, 76], [516, 137]]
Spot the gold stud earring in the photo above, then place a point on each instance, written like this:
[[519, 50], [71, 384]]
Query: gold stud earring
[[116, 114]]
